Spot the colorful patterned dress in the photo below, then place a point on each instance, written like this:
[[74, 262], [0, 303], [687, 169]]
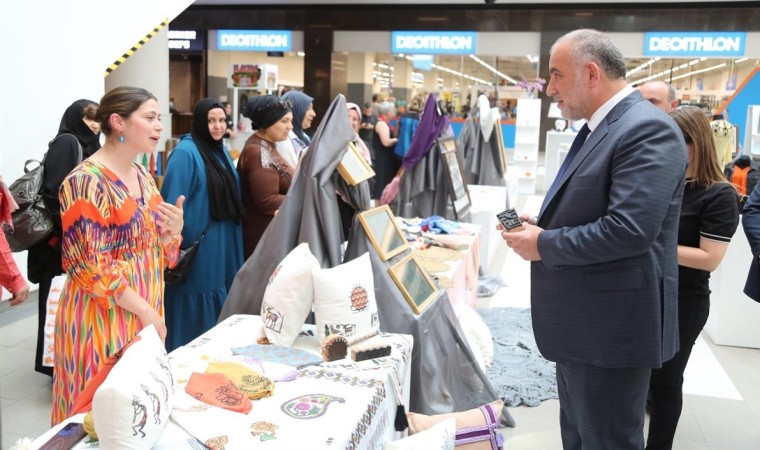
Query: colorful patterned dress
[[110, 241]]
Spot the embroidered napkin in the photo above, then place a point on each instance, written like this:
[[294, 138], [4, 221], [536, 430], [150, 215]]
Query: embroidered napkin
[[218, 390], [253, 384]]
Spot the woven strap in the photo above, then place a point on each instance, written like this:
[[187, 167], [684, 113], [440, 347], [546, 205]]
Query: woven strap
[[488, 432]]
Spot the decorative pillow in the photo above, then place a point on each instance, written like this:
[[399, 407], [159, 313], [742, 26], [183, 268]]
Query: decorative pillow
[[344, 300], [132, 405], [478, 335], [288, 296], [477, 429], [439, 436]]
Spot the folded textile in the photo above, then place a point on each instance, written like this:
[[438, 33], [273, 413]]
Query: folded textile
[[275, 353], [437, 224], [253, 384], [218, 390]]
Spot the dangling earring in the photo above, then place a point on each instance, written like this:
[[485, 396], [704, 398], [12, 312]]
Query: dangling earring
[[121, 139]]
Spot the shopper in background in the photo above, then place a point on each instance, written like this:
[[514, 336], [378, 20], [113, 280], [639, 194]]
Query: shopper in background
[[201, 169], [118, 237], [369, 119], [386, 164], [303, 115], [265, 175], [604, 272], [407, 125], [230, 133], [10, 276], [709, 218], [44, 260], [660, 94]]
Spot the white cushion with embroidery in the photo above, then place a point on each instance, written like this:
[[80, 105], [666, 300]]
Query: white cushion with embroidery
[[439, 436], [132, 406], [288, 296], [344, 300]]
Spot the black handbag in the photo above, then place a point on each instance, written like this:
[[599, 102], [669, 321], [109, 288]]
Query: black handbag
[[185, 262]]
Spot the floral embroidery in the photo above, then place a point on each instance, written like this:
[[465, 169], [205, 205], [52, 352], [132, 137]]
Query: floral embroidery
[[309, 406]]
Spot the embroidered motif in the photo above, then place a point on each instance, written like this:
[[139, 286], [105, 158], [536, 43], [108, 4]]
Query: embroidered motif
[[163, 363], [274, 274], [155, 402], [139, 408], [359, 298], [341, 378], [344, 329], [229, 395], [264, 430], [256, 386], [374, 320], [164, 389], [273, 319], [217, 443], [309, 406]]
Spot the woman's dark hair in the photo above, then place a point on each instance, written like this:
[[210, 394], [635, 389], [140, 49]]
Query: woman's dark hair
[[123, 100]]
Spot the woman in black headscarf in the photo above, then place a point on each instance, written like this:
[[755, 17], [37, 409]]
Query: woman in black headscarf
[[303, 115], [78, 128], [202, 170], [264, 173]]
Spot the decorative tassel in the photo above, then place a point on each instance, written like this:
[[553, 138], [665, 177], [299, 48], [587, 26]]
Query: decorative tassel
[[401, 423]]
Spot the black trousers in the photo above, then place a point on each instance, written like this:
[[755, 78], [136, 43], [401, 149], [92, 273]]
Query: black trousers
[[45, 282], [666, 383], [601, 408]]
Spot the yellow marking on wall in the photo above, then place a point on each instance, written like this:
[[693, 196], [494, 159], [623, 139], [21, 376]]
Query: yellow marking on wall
[[136, 47]]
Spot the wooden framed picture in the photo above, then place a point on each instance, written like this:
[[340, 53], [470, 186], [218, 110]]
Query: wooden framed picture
[[502, 151], [415, 284], [353, 167], [452, 163], [383, 231]]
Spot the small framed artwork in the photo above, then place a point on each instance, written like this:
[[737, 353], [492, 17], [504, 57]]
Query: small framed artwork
[[353, 167], [502, 150], [383, 231], [452, 163], [415, 284]]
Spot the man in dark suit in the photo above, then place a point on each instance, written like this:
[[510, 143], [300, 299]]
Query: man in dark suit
[[604, 276], [751, 224]]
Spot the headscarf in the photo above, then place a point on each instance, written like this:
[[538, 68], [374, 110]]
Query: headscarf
[[487, 118], [300, 102], [358, 141], [223, 189], [264, 111], [72, 123], [432, 124]]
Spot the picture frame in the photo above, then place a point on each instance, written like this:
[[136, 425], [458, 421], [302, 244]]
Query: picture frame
[[452, 163], [383, 231], [353, 167], [502, 149], [415, 284]]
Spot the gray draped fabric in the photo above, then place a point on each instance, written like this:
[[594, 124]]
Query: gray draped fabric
[[423, 190], [482, 164], [309, 214], [445, 376]]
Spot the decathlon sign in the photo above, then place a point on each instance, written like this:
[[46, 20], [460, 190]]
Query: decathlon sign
[[254, 40], [694, 44], [434, 42]]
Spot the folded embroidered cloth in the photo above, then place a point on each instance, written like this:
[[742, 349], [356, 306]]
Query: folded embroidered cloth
[[253, 384], [218, 390], [275, 353]]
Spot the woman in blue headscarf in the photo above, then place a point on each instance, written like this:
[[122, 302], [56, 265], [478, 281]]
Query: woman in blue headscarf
[[303, 115]]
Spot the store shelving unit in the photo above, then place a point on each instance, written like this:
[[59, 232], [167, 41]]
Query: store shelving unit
[[752, 135], [527, 126]]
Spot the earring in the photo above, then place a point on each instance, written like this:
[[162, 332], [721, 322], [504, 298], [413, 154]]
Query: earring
[[121, 139]]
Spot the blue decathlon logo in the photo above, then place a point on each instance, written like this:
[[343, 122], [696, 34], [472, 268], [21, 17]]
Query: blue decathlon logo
[[694, 44], [254, 40], [434, 42]]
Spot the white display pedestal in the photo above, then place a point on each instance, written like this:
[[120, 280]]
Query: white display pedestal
[[555, 141], [734, 317], [487, 201], [526, 144]]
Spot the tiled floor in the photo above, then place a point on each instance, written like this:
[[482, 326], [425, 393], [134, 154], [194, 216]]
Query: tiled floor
[[721, 407]]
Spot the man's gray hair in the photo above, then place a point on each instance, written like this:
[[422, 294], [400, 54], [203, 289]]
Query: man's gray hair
[[593, 46], [384, 108]]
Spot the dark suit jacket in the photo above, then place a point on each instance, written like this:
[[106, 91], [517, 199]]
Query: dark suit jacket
[[606, 290], [751, 224]]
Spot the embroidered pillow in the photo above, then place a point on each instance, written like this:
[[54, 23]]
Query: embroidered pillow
[[344, 300], [133, 404], [439, 436], [288, 296], [477, 429]]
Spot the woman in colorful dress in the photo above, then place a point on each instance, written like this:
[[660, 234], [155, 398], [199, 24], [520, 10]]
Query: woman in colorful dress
[[202, 170], [264, 174], [118, 236]]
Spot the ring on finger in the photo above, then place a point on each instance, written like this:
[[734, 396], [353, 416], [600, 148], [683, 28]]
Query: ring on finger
[[169, 222]]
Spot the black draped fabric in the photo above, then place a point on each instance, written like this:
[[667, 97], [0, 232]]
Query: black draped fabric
[[310, 213], [445, 377], [481, 160], [223, 189]]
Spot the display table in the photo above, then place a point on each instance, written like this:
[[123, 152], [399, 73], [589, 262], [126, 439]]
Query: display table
[[362, 396]]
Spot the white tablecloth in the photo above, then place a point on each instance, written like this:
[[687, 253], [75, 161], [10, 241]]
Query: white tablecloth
[[357, 401]]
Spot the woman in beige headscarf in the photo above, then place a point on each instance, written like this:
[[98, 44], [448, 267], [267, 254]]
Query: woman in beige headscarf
[[355, 115]]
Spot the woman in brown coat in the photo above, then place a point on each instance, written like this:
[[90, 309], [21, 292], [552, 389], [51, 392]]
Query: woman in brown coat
[[264, 174]]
